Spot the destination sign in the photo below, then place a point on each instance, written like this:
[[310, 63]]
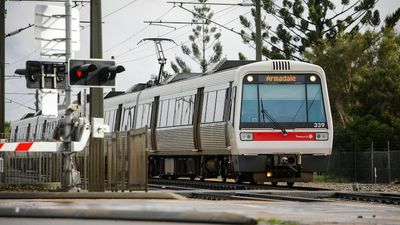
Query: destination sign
[[281, 79]]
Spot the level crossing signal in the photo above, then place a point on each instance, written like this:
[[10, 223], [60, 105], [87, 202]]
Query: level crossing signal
[[93, 72], [44, 74]]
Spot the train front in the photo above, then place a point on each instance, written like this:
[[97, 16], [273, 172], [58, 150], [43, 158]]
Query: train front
[[284, 130]]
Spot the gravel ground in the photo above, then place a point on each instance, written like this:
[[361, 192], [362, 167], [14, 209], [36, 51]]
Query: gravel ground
[[353, 186]]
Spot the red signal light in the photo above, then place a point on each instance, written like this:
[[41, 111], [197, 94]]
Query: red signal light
[[79, 74]]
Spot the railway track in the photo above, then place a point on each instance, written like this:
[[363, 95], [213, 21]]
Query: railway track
[[214, 190], [250, 196], [217, 185], [385, 198]]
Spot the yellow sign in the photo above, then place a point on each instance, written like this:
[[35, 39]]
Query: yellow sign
[[281, 78]]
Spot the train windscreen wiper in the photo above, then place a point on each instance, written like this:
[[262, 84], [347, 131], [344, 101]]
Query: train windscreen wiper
[[266, 114]]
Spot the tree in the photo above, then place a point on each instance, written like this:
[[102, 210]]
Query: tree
[[204, 37], [363, 76], [180, 66], [304, 23], [7, 130]]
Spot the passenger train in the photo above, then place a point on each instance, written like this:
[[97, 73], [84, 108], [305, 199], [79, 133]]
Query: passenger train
[[266, 121]]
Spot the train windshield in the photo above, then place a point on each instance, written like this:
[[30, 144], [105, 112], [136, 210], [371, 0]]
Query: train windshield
[[282, 101]]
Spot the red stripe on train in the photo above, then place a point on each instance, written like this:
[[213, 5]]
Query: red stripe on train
[[23, 147], [279, 136], [1, 145]]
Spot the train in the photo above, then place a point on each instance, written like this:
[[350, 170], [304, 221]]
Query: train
[[267, 121]]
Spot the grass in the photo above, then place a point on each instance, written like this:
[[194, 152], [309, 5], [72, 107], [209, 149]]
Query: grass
[[275, 221], [329, 178]]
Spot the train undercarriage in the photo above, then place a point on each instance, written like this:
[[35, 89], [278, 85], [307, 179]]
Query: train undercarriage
[[253, 169]]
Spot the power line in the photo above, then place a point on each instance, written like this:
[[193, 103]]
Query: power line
[[150, 55], [122, 7], [20, 104], [26, 56], [238, 33], [212, 3], [113, 12], [138, 32], [18, 93], [124, 54]]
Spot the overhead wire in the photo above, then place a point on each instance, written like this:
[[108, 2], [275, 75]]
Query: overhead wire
[[230, 9], [119, 9], [113, 12], [150, 55], [135, 34], [20, 104]]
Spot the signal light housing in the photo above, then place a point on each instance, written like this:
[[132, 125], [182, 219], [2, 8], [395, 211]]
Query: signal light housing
[[44, 74], [93, 72]]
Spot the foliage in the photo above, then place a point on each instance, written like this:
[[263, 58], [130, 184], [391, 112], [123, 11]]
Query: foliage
[[305, 23], [7, 130], [180, 66], [363, 76], [393, 19], [204, 37]]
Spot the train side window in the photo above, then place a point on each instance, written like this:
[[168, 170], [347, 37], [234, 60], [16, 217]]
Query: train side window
[[210, 108], [145, 115], [44, 126], [112, 118], [132, 117], [187, 110], [171, 113], [204, 111], [220, 106], [105, 114], [139, 117], [178, 112], [163, 113], [149, 110], [125, 119]]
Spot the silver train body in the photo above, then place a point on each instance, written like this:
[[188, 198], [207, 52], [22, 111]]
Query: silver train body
[[263, 121]]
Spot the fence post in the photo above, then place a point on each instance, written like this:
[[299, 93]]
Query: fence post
[[340, 165], [355, 163], [388, 159], [372, 162]]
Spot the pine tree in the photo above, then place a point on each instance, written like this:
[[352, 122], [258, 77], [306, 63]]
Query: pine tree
[[304, 23], [204, 36]]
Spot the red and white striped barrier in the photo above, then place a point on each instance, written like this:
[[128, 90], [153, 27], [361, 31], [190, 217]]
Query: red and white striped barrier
[[31, 147], [55, 146]]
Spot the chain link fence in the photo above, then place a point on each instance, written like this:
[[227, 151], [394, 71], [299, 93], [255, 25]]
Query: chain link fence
[[369, 162]]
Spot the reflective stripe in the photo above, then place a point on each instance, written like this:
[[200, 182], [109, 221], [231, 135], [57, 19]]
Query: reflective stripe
[[279, 136]]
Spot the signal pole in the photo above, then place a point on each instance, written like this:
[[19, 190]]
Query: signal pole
[[67, 154], [96, 148], [2, 66], [258, 30]]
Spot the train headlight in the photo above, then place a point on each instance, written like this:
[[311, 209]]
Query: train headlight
[[313, 78], [246, 136], [250, 78], [321, 136]]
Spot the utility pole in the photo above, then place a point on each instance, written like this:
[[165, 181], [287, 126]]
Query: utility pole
[[96, 148], [258, 30], [2, 66], [67, 154]]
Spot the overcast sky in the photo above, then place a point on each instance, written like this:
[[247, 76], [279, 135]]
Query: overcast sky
[[123, 28]]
